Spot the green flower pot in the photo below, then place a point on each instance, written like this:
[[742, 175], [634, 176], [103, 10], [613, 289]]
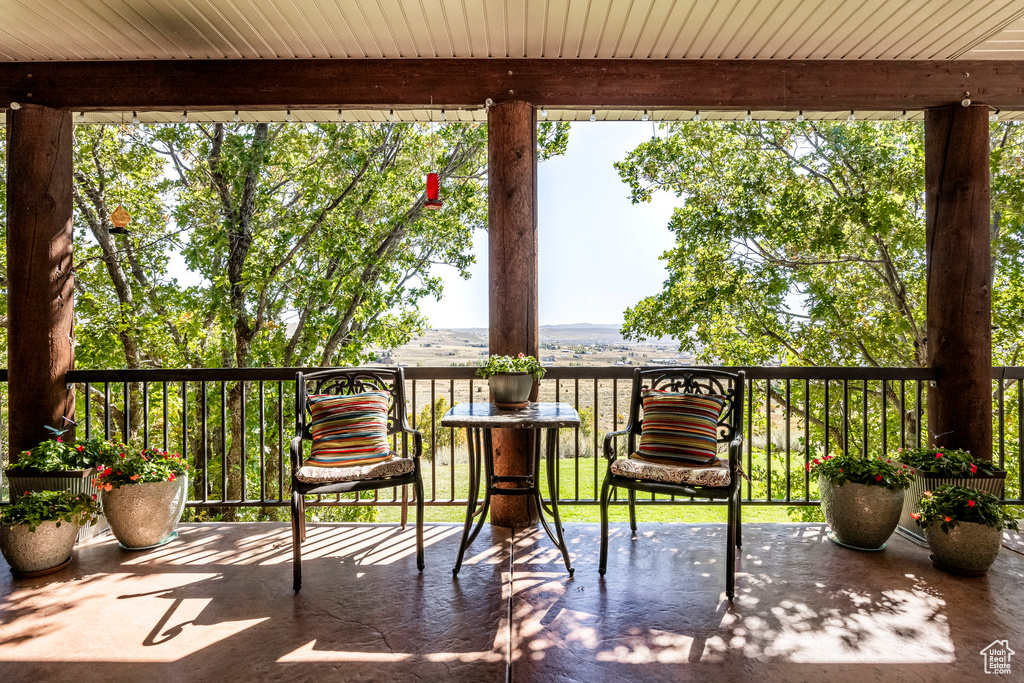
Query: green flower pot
[[861, 516]]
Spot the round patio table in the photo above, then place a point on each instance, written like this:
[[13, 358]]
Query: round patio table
[[479, 419]]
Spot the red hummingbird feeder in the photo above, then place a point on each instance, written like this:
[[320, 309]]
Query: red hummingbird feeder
[[433, 192]]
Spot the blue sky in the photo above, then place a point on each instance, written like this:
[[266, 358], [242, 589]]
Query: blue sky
[[598, 252]]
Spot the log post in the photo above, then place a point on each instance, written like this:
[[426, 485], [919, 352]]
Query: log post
[[40, 282], [512, 218], [958, 254]]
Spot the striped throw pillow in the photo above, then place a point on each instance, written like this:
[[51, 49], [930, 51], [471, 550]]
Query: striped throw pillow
[[680, 427], [349, 431]]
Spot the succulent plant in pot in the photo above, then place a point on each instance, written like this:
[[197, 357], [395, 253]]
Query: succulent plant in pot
[[143, 495], [861, 498], [934, 467], [964, 527], [511, 379], [38, 530]]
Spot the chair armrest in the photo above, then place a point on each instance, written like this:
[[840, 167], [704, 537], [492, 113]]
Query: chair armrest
[[609, 452], [417, 441], [736, 457], [296, 453]]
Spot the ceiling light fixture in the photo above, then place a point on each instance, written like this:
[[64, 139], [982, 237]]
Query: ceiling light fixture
[[645, 117], [593, 115]]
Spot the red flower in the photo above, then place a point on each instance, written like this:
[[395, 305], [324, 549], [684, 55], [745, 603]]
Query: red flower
[[928, 493], [915, 515], [80, 449], [522, 355], [170, 477], [970, 503], [94, 496], [948, 519], [938, 455], [60, 440], [808, 467], [974, 469], [122, 455], [878, 478]]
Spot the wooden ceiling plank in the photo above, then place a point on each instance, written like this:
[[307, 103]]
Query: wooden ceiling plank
[[594, 27], [733, 45], [534, 27], [772, 33], [832, 30], [653, 26], [720, 22], [397, 18]]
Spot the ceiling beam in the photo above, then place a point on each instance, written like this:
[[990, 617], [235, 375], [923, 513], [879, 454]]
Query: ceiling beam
[[568, 83]]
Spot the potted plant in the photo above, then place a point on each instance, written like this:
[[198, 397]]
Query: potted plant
[[861, 498], [511, 379], [143, 496], [964, 527], [59, 465], [933, 467], [38, 530]]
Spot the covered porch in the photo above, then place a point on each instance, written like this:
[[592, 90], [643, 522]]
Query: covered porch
[[216, 606]]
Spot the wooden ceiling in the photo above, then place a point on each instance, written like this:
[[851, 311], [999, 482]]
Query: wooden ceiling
[[55, 30]]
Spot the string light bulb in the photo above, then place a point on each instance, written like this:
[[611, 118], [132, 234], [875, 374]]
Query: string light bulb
[[135, 118], [543, 112], [852, 117], [800, 117], [288, 116], [593, 115], [235, 117], [184, 117], [994, 116], [902, 116], [645, 117], [696, 115], [80, 117], [443, 117], [748, 118], [391, 116], [340, 117]]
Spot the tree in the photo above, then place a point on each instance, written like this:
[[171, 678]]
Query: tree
[[805, 241]]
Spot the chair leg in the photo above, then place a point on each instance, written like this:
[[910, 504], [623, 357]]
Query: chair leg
[[606, 489], [296, 543], [632, 510], [730, 553], [418, 492], [739, 518], [405, 506], [302, 518]]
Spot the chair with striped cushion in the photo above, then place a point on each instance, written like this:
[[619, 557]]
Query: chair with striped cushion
[[678, 418], [349, 415]]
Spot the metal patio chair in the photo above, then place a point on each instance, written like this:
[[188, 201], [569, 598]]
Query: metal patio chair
[[399, 470], [634, 474]]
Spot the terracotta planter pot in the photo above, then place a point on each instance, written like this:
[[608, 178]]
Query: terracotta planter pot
[[926, 481], [861, 516], [144, 515], [47, 547], [969, 547], [73, 481], [511, 388]]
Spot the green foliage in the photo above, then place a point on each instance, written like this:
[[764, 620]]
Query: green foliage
[[442, 439], [147, 466], [55, 455], [501, 364], [946, 462], [843, 469], [825, 217], [34, 508], [950, 505]]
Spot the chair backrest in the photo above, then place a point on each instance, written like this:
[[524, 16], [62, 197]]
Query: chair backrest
[[689, 380], [346, 382]]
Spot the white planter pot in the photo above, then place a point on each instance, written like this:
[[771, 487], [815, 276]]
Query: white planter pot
[[28, 552], [968, 547], [510, 388], [144, 515]]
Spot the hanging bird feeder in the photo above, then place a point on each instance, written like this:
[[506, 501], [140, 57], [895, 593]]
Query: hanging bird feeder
[[120, 219], [433, 192]]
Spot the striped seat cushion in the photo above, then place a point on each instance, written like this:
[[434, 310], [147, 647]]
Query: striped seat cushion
[[680, 427], [349, 431]]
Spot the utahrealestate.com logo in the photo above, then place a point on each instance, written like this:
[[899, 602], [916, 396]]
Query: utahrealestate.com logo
[[997, 657]]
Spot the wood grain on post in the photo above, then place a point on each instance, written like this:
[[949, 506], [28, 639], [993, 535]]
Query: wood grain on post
[[958, 250], [40, 290], [512, 174]]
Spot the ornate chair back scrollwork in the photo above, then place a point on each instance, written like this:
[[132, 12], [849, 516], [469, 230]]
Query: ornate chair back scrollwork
[[399, 470], [718, 481]]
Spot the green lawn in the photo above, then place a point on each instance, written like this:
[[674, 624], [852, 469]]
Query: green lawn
[[440, 482]]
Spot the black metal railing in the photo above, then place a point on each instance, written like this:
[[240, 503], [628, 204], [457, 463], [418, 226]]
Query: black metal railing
[[233, 425]]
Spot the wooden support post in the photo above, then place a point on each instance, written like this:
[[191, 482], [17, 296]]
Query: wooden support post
[[512, 174], [40, 282], [958, 248]]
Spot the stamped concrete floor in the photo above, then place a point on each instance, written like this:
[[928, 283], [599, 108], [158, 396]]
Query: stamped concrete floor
[[217, 605]]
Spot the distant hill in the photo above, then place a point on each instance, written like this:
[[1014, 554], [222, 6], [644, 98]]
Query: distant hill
[[575, 332]]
